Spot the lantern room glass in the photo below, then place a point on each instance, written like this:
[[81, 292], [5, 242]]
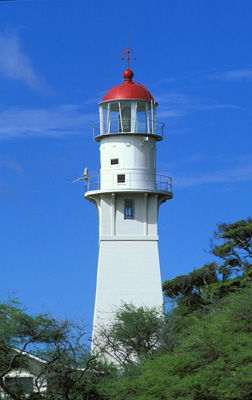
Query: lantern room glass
[[128, 116]]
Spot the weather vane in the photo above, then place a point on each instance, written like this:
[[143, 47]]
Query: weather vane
[[128, 53]]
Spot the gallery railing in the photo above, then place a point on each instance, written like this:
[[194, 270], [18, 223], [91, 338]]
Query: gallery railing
[[162, 182], [128, 126]]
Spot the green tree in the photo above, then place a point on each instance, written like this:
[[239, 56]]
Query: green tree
[[136, 332], [233, 245], [199, 289], [55, 351], [236, 249], [212, 361], [192, 290]]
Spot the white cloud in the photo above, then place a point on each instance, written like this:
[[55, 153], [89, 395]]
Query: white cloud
[[237, 174], [162, 82], [233, 75], [175, 104], [56, 122], [15, 64]]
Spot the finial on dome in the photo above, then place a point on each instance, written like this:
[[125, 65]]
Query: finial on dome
[[128, 75]]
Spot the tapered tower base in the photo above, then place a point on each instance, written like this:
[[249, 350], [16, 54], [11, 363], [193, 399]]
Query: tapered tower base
[[127, 270]]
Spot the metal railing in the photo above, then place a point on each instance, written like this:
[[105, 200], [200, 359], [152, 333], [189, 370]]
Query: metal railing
[[129, 126], [163, 183]]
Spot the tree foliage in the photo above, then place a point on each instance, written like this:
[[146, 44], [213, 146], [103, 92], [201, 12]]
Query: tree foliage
[[236, 249], [232, 244], [61, 354], [192, 289], [134, 334], [211, 361]]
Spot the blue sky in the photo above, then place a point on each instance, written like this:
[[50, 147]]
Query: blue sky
[[57, 60]]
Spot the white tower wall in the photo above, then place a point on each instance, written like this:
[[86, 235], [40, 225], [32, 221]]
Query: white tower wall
[[125, 271], [128, 266], [136, 159]]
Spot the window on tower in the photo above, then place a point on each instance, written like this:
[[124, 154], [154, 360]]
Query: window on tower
[[128, 209], [114, 161], [121, 178], [125, 125]]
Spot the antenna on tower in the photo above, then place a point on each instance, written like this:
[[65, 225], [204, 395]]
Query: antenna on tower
[[128, 53], [85, 178]]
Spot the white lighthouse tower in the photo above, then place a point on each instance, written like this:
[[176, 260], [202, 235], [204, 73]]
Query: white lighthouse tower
[[127, 194]]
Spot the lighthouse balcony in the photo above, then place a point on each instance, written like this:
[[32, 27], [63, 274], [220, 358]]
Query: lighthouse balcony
[[128, 126], [129, 182]]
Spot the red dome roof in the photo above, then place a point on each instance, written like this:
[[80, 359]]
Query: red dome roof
[[128, 90]]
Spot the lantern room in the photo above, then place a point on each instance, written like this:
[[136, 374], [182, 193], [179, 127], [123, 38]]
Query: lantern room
[[128, 108]]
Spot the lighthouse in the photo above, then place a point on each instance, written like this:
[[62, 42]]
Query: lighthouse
[[127, 194]]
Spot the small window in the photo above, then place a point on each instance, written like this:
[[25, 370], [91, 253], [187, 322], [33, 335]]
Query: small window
[[128, 209], [120, 178], [114, 161]]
